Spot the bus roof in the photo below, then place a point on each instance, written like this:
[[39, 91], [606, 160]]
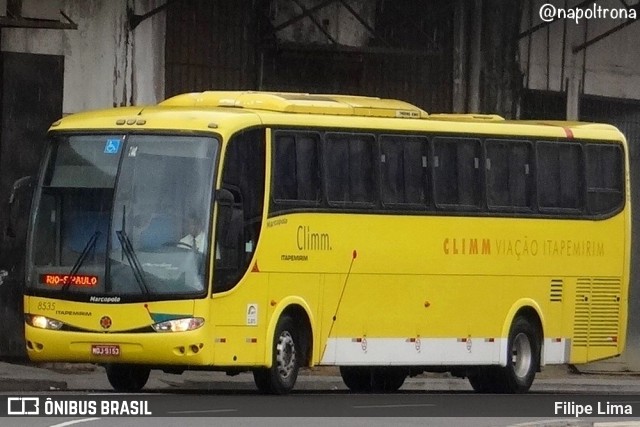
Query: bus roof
[[342, 105], [228, 111]]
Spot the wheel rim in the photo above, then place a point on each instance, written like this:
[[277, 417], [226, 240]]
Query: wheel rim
[[521, 355], [286, 355]]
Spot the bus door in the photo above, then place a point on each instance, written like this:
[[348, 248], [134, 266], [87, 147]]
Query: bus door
[[240, 291]]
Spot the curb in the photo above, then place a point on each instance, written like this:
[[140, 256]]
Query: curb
[[8, 384]]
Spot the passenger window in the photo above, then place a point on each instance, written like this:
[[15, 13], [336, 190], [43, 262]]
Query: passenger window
[[296, 170], [509, 174], [456, 165], [605, 178], [403, 165], [349, 164], [560, 175]]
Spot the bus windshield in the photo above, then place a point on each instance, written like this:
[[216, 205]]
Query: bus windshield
[[122, 218]]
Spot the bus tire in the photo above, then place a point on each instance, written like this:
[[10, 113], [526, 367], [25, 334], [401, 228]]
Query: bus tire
[[378, 380], [522, 362], [524, 351], [281, 377], [356, 378], [388, 379], [127, 378], [483, 379]]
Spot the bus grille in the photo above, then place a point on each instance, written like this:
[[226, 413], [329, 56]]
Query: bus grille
[[597, 316], [555, 291]]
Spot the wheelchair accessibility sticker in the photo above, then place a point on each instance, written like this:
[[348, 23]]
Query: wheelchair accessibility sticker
[[112, 146]]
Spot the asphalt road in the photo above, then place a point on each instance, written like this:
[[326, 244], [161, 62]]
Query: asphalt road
[[310, 422], [213, 399], [409, 408]]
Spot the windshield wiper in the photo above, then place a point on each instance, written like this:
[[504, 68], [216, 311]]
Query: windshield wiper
[[130, 253], [91, 243]]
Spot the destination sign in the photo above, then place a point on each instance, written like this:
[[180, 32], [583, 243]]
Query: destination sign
[[81, 280]]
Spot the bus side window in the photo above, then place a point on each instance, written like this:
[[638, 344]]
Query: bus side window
[[349, 162], [457, 176], [296, 169], [509, 175], [605, 178], [404, 171], [560, 175]]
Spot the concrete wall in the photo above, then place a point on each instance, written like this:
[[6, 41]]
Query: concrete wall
[[608, 68], [106, 64]]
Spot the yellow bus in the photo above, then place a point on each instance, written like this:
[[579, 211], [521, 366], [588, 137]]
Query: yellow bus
[[267, 232]]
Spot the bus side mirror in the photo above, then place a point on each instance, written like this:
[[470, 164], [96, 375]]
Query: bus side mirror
[[22, 186], [19, 206]]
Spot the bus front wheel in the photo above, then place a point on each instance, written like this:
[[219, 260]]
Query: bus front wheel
[[281, 377], [127, 378]]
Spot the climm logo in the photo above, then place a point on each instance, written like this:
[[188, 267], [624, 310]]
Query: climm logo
[[463, 246], [308, 240]]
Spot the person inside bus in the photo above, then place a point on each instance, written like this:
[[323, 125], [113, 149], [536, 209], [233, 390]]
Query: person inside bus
[[195, 237]]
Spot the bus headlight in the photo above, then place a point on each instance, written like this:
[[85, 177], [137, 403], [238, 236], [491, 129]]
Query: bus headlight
[[179, 325], [42, 322]]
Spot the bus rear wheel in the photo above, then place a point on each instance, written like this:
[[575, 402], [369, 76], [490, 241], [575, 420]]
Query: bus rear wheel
[[522, 362], [522, 365], [377, 380], [127, 378], [281, 377]]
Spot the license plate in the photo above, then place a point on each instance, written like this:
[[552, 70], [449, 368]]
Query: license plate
[[105, 350]]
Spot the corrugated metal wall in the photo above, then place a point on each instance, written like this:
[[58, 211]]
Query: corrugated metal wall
[[424, 80], [227, 45], [209, 45]]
